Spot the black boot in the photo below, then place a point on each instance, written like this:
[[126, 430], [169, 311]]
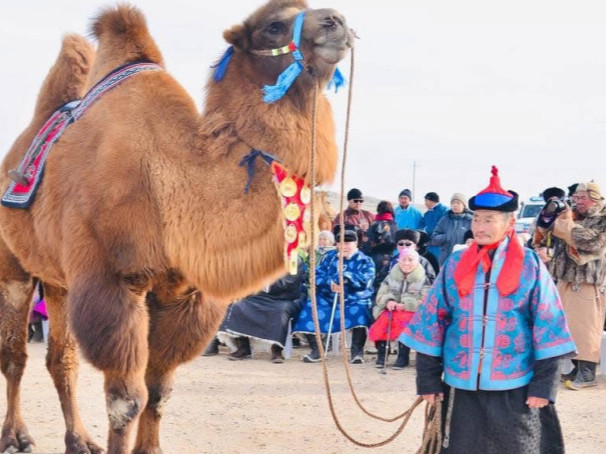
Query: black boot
[[403, 358], [243, 350], [276, 354], [572, 374], [585, 377], [381, 349], [213, 348], [314, 355], [358, 339]]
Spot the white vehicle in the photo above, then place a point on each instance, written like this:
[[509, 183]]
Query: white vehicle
[[528, 212]]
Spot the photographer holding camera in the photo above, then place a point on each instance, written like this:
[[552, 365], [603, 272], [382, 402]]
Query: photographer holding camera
[[542, 237], [579, 268]]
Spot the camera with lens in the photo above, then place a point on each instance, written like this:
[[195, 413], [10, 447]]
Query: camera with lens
[[551, 211]]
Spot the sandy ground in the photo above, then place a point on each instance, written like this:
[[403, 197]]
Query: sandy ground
[[254, 406]]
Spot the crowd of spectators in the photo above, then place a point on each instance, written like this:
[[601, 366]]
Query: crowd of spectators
[[392, 258]]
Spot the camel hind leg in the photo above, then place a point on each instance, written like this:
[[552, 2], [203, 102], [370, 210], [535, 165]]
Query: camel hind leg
[[16, 288], [62, 364], [181, 324]]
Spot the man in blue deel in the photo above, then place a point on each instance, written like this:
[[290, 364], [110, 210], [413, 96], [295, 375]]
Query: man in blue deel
[[493, 325]]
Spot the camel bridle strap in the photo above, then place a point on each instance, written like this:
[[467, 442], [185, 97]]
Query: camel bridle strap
[[292, 47], [432, 435]]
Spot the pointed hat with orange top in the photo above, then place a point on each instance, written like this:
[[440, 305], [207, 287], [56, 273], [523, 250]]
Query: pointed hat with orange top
[[494, 197]]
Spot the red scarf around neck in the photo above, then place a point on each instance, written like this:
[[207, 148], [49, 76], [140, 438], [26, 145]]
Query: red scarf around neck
[[509, 277], [384, 217]]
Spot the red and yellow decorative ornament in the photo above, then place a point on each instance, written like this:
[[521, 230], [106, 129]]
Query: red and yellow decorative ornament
[[295, 196]]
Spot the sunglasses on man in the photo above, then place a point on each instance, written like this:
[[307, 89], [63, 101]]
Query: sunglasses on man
[[358, 200], [405, 243]]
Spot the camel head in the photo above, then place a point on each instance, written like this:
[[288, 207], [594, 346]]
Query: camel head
[[285, 45]]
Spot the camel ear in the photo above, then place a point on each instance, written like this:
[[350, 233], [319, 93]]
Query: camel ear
[[236, 36]]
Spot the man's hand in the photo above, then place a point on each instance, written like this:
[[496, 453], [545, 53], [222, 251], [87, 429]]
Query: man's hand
[[433, 398], [562, 227], [536, 402], [542, 253], [391, 305], [400, 307], [335, 288]]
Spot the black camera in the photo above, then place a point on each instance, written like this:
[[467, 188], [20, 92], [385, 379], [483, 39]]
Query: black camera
[[550, 212]]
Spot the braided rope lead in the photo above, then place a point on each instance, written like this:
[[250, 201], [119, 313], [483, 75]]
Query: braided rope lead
[[432, 425]]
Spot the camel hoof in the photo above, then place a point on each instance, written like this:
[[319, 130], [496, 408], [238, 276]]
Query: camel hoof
[[82, 445], [18, 441], [155, 450]]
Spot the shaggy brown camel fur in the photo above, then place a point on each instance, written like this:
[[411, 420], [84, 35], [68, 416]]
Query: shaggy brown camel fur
[[129, 230]]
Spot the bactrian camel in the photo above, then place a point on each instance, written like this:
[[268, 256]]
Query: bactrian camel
[[141, 230]]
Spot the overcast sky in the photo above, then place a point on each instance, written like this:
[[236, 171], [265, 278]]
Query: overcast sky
[[454, 86]]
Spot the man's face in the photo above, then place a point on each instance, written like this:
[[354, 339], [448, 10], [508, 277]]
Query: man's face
[[355, 204], [583, 202], [489, 226], [404, 201], [429, 204]]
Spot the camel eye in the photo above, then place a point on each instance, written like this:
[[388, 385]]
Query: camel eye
[[276, 28]]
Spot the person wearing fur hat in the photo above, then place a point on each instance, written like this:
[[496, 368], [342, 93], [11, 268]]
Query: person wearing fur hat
[[407, 215], [358, 276], [354, 214], [579, 267], [493, 326], [452, 227], [410, 239], [542, 239]]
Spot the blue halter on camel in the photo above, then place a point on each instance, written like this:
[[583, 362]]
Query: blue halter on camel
[[273, 93]]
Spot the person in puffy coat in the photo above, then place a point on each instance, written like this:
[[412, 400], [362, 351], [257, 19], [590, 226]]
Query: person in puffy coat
[[398, 298], [452, 227]]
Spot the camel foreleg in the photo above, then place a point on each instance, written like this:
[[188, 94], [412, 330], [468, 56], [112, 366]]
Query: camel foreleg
[[109, 319], [16, 288], [179, 331], [62, 364]]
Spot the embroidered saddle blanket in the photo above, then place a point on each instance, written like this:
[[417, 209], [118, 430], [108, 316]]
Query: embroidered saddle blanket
[[28, 175]]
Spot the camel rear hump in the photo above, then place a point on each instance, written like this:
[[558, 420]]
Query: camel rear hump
[[67, 78], [123, 38]]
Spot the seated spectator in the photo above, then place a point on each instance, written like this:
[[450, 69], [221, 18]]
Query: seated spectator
[[399, 296], [326, 243], [354, 214], [452, 227], [405, 239], [264, 317], [382, 233], [358, 275]]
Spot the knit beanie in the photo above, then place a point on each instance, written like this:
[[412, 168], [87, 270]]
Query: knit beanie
[[432, 196], [354, 194], [459, 196], [406, 192]]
